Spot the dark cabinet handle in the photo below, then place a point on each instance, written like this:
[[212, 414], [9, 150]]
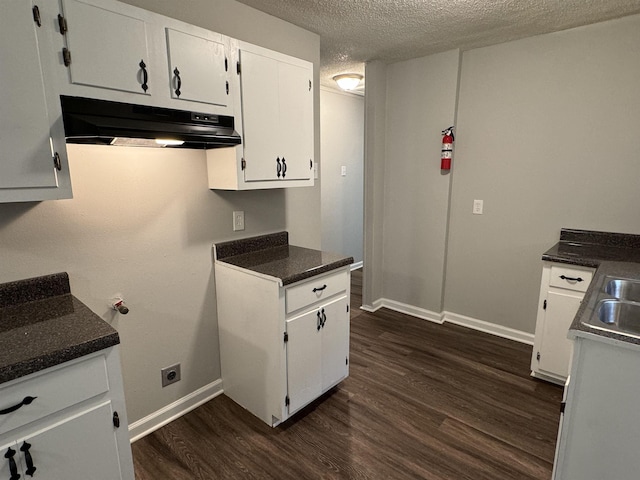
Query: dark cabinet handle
[[284, 168], [571, 279], [319, 289], [145, 75], [56, 161], [319, 321], [25, 401], [13, 468], [324, 318], [28, 459], [176, 72], [278, 167]]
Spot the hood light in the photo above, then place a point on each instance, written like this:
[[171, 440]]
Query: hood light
[[168, 142]]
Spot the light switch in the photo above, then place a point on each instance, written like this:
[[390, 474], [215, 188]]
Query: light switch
[[343, 171]]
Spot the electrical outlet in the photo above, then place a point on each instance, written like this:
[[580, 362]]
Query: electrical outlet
[[478, 206], [170, 375], [343, 171], [238, 221]]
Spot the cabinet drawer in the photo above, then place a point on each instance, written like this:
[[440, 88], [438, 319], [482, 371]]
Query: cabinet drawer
[[53, 390], [570, 278], [315, 289]]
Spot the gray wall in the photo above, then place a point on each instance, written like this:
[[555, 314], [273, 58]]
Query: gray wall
[[142, 222], [421, 102], [342, 144], [547, 136]]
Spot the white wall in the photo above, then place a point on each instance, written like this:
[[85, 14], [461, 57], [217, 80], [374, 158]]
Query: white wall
[[547, 136], [342, 144], [142, 223]]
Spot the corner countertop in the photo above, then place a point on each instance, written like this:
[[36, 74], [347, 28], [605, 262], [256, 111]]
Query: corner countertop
[[43, 325], [612, 255], [272, 256]]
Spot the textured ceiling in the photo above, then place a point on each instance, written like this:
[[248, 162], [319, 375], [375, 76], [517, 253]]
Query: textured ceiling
[[353, 32]]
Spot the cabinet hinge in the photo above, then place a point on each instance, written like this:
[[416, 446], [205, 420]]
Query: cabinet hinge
[[36, 15], [238, 69], [116, 420], [56, 161], [66, 56], [286, 401], [286, 337], [243, 164], [227, 88], [226, 64], [62, 23], [544, 305], [538, 356]]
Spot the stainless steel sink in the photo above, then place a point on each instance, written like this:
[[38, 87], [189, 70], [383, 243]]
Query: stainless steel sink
[[617, 316], [624, 289]]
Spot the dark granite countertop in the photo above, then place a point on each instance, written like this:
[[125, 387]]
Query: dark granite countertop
[[43, 325], [271, 255], [612, 255]]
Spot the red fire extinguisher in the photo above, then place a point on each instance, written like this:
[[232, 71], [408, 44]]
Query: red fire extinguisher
[[447, 149]]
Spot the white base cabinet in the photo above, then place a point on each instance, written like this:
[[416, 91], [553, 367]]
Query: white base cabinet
[[75, 426], [561, 291], [599, 431], [281, 347]]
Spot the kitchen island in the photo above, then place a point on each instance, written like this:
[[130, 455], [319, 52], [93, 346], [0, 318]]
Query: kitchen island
[[283, 320]]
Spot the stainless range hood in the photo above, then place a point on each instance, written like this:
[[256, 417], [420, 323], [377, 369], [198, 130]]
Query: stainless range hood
[[91, 121]]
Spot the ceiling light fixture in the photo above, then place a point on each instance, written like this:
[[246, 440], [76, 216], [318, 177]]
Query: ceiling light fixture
[[348, 81]]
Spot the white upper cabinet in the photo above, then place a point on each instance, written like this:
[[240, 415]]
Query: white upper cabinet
[[197, 68], [276, 121], [33, 162], [106, 48]]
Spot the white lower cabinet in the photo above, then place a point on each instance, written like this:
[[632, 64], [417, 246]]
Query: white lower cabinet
[[66, 423], [561, 292], [281, 347]]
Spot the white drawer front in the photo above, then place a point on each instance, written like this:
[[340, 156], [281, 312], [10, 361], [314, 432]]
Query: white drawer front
[[315, 289], [571, 278], [54, 391]]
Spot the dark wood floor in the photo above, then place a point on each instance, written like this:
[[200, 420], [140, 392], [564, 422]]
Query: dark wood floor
[[422, 401]]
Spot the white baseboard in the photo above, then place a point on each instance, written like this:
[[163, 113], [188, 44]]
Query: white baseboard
[[357, 265], [184, 405], [487, 327], [464, 321], [405, 308]]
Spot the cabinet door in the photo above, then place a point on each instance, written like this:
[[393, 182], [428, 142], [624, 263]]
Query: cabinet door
[[335, 343], [296, 120], [555, 347], [82, 446], [106, 47], [25, 134], [260, 116], [198, 66], [304, 359]]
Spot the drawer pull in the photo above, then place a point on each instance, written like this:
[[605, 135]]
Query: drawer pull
[[319, 289], [571, 279], [25, 401], [31, 469], [13, 468]]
